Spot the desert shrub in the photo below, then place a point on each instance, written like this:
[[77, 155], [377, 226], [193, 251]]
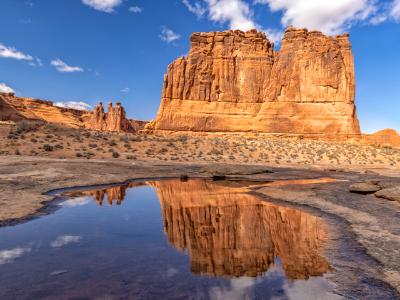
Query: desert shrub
[[115, 154], [131, 157], [112, 143], [78, 154], [33, 140], [92, 145], [48, 147], [59, 146], [17, 152]]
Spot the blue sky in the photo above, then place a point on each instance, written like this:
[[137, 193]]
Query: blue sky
[[91, 50]]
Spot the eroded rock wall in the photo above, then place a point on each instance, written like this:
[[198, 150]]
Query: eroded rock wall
[[234, 81]]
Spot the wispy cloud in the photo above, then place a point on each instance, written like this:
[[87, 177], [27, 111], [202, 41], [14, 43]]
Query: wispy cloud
[[11, 52], [63, 67], [107, 6], [168, 35], [126, 90], [64, 240], [74, 104], [8, 256], [196, 8], [5, 88], [395, 10], [136, 9]]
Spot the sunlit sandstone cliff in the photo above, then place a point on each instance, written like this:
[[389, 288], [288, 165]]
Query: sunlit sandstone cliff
[[229, 233], [235, 81], [17, 109]]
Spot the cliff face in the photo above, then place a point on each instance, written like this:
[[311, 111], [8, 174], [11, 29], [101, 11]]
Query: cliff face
[[16, 109], [234, 81]]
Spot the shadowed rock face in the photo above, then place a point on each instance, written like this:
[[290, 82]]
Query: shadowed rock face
[[234, 81], [229, 233]]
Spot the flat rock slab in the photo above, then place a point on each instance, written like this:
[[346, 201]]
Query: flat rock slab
[[392, 194], [364, 188]]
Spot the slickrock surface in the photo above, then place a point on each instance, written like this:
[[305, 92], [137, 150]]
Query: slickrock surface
[[235, 81], [18, 109]]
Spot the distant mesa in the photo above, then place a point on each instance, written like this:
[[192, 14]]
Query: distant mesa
[[17, 109], [236, 82], [385, 137]]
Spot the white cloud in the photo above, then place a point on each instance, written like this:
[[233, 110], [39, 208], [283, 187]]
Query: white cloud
[[5, 88], [136, 9], [64, 240], [195, 8], [236, 12], [107, 6], [126, 90], [330, 17], [395, 11], [8, 256], [168, 35], [63, 67], [74, 104], [10, 52]]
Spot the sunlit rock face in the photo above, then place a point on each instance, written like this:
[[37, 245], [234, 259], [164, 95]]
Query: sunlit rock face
[[235, 81], [385, 137], [18, 109], [229, 233]]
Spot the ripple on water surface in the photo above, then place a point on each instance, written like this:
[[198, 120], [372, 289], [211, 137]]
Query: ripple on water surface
[[168, 239]]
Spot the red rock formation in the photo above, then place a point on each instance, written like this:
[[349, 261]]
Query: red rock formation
[[234, 81], [386, 137], [14, 108]]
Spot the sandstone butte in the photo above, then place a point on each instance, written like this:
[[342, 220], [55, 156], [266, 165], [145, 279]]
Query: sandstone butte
[[17, 109], [235, 82]]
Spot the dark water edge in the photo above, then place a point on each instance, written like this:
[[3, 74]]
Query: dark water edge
[[348, 274]]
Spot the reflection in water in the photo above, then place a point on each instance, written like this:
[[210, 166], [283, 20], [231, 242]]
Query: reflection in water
[[230, 233]]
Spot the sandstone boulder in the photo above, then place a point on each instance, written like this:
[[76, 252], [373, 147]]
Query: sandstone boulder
[[364, 188], [392, 194]]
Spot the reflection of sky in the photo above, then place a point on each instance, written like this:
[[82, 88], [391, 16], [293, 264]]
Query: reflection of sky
[[278, 287], [64, 240], [79, 201], [8, 256]]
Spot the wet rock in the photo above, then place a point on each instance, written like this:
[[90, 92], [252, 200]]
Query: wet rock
[[364, 188], [392, 194]]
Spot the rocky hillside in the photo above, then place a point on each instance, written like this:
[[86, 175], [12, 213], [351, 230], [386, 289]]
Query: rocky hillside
[[235, 81], [17, 109]]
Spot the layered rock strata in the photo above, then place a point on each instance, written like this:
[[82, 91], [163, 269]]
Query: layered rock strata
[[17, 109], [235, 81]]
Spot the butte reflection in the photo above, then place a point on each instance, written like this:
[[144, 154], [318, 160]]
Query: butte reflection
[[229, 233]]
